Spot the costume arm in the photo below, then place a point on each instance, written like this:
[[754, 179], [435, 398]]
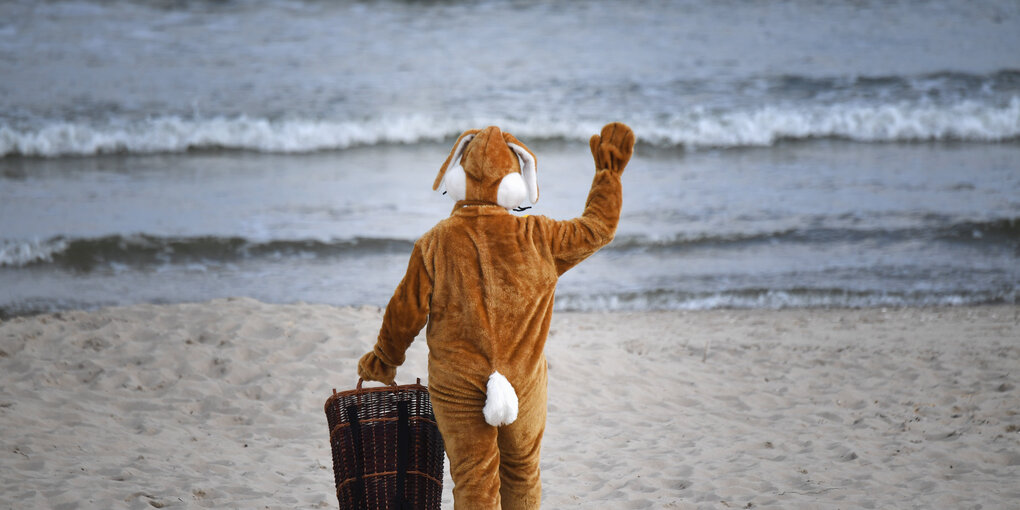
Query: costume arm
[[406, 313], [575, 240]]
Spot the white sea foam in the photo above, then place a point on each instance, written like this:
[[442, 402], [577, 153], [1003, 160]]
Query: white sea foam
[[763, 126], [175, 134], [966, 121], [21, 253], [773, 299]]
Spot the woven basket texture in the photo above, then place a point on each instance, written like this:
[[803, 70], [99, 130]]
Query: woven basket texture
[[375, 412]]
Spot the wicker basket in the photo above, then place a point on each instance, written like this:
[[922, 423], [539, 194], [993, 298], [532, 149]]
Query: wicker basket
[[387, 450]]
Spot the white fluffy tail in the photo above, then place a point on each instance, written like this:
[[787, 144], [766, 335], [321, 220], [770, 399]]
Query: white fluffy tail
[[500, 401]]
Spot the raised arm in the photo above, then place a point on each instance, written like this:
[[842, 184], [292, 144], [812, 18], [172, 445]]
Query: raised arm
[[575, 240]]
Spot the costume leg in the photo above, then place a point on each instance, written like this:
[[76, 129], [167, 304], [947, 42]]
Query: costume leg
[[470, 446], [519, 447]]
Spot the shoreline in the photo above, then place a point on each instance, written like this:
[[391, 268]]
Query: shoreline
[[219, 404], [6, 314]]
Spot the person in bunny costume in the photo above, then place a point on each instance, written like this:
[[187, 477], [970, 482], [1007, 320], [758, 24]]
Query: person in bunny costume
[[483, 280]]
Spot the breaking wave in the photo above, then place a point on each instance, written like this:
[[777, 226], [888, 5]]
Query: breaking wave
[[968, 120], [670, 299], [144, 250], [86, 254], [994, 232]]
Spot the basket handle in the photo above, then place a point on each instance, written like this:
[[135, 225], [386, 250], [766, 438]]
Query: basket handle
[[361, 380], [360, 390]]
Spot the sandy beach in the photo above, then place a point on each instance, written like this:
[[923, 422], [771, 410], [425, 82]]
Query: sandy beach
[[219, 405]]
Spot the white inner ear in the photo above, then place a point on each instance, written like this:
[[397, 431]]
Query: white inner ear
[[529, 170], [455, 180], [511, 191], [456, 183]]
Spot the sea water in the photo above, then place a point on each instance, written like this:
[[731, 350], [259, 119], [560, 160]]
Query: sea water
[[789, 153]]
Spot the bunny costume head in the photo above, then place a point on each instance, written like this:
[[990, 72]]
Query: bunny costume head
[[491, 166]]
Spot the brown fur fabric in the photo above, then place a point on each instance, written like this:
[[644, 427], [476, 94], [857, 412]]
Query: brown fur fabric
[[483, 281]]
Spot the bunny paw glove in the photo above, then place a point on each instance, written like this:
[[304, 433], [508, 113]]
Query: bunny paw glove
[[613, 148], [371, 368]]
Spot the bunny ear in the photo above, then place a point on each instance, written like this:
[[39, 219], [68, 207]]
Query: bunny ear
[[455, 155], [528, 169]]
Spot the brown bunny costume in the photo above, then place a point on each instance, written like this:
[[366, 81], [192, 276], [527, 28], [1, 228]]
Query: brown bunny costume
[[483, 280]]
